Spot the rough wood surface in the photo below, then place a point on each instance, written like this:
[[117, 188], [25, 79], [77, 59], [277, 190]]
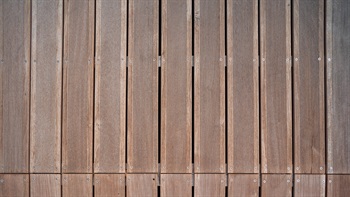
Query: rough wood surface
[[14, 85], [143, 86], [338, 185], [310, 185], [43, 185], [109, 185], [110, 86], [14, 185], [74, 185], [209, 185], [176, 185], [276, 185], [141, 185], [243, 185], [242, 86]]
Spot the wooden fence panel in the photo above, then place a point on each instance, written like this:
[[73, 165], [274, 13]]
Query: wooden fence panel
[[310, 185], [176, 185], [243, 185], [14, 185], [43, 185], [109, 185], [77, 185], [338, 185], [141, 185], [276, 185], [209, 185]]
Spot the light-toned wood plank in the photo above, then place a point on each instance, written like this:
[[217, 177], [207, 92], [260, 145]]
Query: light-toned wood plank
[[243, 185], [276, 185], [46, 86], [141, 185], [209, 95], [310, 185], [176, 185], [209, 185], [143, 86], [338, 185], [276, 101], [78, 86], [43, 185], [242, 86], [110, 86], [14, 85], [77, 185], [338, 86], [109, 185], [14, 185]]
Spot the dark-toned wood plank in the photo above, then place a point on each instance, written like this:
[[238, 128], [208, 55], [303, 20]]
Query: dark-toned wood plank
[[242, 86], [209, 95], [143, 86], [141, 185], [176, 120], [46, 86], [243, 185], [42, 185], [176, 185], [338, 185], [310, 185], [338, 86], [109, 185], [276, 185], [77, 185], [14, 185], [209, 184], [14, 85], [110, 86], [276, 101], [78, 86]]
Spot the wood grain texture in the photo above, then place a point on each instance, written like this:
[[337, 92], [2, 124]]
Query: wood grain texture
[[310, 185], [78, 86], [109, 185], [176, 90], [242, 86], [110, 86], [43, 185], [46, 86], [338, 185], [338, 86], [14, 185], [176, 185], [143, 86], [209, 185], [276, 185], [141, 185], [243, 185], [14, 85], [77, 185], [276, 101], [209, 93]]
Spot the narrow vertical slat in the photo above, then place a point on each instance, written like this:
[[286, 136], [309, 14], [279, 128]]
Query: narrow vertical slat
[[243, 185], [74, 185], [209, 185], [276, 185], [173, 185], [141, 185], [109, 185], [338, 185], [14, 185], [42, 185], [310, 185]]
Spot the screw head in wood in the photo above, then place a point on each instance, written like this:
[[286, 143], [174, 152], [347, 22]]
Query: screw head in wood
[[319, 59], [321, 168], [264, 181], [298, 180]]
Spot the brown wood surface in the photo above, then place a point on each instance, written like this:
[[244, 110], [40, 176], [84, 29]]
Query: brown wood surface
[[276, 101], [45, 185], [78, 86], [141, 185], [109, 185], [74, 185], [46, 86], [142, 96], [14, 185], [243, 185], [14, 85], [242, 86], [276, 185], [209, 95], [176, 90], [338, 185], [110, 86], [338, 86], [310, 185], [209, 185], [176, 185]]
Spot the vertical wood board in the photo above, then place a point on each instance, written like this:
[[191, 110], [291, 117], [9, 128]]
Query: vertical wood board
[[176, 185], [338, 185], [14, 185], [42, 185], [141, 185], [77, 185], [209, 185], [243, 185], [276, 185], [109, 185], [310, 185]]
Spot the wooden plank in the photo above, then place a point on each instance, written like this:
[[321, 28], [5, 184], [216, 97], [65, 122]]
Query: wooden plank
[[243, 185], [141, 185], [338, 86], [176, 120], [77, 185], [276, 185], [109, 185], [46, 86], [338, 185], [209, 95], [110, 86], [78, 86], [14, 85], [143, 86], [242, 86], [176, 185], [276, 101], [14, 185], [310, 185], [42, 185], [209, 184]]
